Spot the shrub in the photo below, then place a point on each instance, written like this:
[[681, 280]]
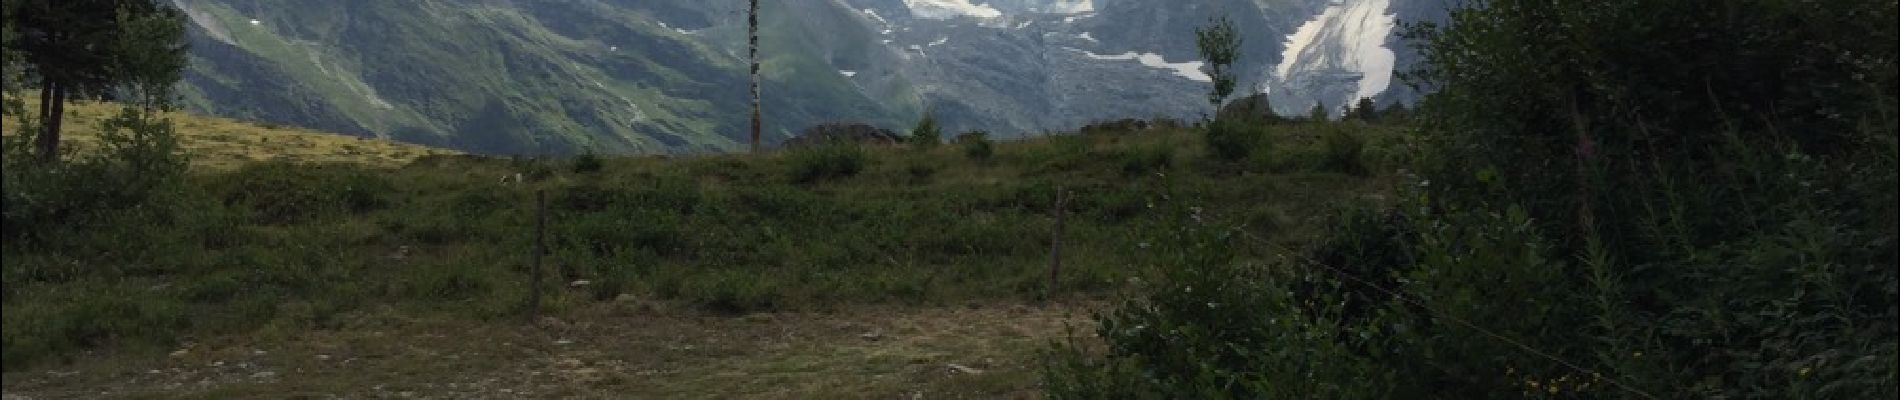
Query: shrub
[[1211, 328], [586, 164], [136, 168], [1230, 140], [976, 145], [926, 135], [1344, 151], [830, 161]]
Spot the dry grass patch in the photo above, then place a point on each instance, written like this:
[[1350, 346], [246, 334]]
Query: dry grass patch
[[218, 144]]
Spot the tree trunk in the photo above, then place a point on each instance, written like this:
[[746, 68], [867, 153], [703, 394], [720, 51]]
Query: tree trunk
[[52, 108], [46, 102], [752, 22]]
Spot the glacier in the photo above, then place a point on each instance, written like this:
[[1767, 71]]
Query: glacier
[[1339, 56]]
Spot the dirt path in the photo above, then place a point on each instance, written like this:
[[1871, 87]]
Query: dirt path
[[624, 349]]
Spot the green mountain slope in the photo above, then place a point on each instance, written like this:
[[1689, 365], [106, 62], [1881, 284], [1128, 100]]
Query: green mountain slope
[[523, 77]]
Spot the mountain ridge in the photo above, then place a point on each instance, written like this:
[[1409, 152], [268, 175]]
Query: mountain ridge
[[623, 76]]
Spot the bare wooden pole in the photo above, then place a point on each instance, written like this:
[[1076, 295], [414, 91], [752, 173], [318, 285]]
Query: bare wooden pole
[[752, 22]]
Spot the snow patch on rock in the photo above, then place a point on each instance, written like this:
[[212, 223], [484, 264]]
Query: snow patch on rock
[[947, 9], [1190, 69], [1071, 7]]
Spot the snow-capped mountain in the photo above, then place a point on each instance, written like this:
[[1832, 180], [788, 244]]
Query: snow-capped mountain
[[1346, 52], [535, 76]]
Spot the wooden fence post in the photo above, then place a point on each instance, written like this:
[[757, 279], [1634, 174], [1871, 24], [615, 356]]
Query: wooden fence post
[[1055, 247], [540, 248]]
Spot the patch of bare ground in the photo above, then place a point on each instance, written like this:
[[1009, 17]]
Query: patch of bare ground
[[628, 348]]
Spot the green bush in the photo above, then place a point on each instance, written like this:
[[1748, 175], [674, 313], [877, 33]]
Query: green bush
[[586, 164], [1344, 152], [1213, 327], [976, 145], [926, 135], [1231, 140], [824, 162], [136, 169]]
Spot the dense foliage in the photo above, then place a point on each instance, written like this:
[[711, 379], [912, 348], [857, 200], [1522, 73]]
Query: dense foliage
[[1613, 199]]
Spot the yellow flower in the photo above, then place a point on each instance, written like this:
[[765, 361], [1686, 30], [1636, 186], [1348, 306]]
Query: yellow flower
[[1803, 372]]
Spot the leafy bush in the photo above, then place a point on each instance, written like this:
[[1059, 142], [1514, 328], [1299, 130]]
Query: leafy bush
[[136, 166], [1344, 152], [586, 164], [1213, 328], [926, 135], [976, 145], [826, 162], [1231, 140]]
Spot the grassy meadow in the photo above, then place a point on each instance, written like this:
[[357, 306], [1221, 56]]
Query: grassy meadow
[[339, 245], [218, 144]]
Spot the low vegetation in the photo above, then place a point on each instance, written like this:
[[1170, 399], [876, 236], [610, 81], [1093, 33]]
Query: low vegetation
[[1606, 199], [281, 246]]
